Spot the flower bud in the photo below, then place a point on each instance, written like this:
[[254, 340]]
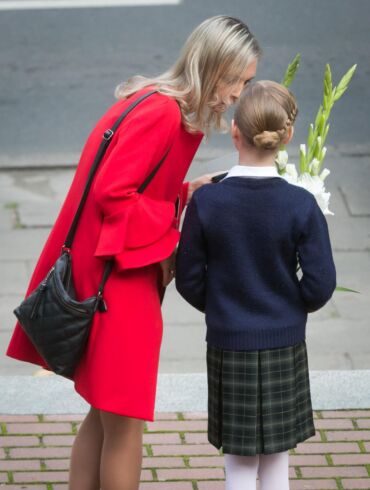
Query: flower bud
[[324, 174], [282, 159], [314, 166]]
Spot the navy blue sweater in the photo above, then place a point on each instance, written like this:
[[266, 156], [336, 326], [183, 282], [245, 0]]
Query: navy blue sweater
[[240, 246]]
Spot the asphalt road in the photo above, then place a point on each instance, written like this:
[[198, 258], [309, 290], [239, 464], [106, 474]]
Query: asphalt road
[[58, 68]]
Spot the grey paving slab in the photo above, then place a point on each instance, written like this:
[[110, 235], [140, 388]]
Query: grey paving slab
[[338, 344], [176, 392], [23, 245], [349, 234], [353, 271], [7, 304], [38, 215], [10, 192], [355, 187], [27, 185], [183, 346], [177, 311], [14, 277], [7, 219]]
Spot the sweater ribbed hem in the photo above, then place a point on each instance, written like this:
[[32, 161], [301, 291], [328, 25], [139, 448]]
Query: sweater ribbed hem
[[254, 339]]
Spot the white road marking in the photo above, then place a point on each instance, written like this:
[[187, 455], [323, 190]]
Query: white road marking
[[64, 4]]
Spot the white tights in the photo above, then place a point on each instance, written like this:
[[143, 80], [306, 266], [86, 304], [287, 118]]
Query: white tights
[[272, 470]]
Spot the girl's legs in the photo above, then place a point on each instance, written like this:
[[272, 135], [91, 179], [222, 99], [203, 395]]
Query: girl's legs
[[273, 471], [241, 472], [86, 451], [121, 456]]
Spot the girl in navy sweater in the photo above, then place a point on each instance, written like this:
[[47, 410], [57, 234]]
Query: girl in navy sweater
[[241, 244]]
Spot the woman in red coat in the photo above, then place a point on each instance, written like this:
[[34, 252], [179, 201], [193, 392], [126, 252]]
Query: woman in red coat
[[118, 373]]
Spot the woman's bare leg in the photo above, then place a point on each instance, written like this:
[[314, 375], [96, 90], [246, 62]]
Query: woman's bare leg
[[86, 452], [121, 456]]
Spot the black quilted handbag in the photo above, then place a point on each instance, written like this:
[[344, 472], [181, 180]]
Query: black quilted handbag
[[57, 324]]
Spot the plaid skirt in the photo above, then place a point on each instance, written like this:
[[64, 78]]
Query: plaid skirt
[[258, 401]]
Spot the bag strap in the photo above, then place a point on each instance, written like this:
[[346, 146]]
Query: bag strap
[[107, 137]]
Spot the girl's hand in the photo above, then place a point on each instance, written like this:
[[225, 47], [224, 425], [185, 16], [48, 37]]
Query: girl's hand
[[168, 269], [199, 181]]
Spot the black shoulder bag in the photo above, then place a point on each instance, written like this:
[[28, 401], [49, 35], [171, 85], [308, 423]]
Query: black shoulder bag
[[56, 323]]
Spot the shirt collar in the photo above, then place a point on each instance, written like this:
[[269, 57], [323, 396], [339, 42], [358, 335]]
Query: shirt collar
[[250, 171]]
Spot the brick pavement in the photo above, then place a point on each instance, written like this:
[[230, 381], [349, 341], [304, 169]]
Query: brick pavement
[[35, 450]]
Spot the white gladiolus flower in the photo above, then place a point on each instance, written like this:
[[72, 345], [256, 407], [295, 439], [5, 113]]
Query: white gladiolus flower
[[315, 185], [282, 159], [310, 181], [291, 171]]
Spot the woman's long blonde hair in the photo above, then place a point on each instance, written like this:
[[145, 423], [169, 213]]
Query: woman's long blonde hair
[[217, 51]]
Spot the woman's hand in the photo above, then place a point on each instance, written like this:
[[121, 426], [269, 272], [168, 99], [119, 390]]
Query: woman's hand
[[168, 269], [199, 181]]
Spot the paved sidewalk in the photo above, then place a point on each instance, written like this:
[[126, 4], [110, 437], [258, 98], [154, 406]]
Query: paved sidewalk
[[337, 335], [35, 451]]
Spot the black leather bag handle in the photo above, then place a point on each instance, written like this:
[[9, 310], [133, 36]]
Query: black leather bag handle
[[107, 137]]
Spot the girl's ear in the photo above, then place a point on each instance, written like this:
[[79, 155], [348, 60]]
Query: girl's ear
[[233, 126], [289, 136], [235, 134]]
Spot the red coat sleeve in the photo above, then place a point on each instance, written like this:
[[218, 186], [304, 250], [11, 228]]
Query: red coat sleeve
[[184, 196], [136, 229]]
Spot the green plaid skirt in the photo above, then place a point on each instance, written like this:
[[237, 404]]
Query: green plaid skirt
[[258, 401]]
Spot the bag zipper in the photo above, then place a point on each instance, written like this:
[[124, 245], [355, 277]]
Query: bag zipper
[[38, 298], [37, 301], [67, 305]]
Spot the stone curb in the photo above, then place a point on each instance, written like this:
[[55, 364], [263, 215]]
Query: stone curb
[[331, 390]]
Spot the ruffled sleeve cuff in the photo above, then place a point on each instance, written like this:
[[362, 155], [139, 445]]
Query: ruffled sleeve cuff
[[142, 233]]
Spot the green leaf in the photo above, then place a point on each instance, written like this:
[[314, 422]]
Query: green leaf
[[346, 290], [291, 71], [343, 84]]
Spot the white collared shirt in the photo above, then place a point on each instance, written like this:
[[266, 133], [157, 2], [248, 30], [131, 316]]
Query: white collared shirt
[[251, 171]]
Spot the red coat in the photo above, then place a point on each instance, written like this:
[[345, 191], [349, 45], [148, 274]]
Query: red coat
[[118, 372]]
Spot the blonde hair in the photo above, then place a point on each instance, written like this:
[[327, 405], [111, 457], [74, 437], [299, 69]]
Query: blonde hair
[[264, 112], [217, 51]]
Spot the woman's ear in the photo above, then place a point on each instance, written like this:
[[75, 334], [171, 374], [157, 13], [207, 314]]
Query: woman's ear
[[289, 135]]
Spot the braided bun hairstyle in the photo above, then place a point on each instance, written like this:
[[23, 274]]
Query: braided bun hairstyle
[[264, 113]]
